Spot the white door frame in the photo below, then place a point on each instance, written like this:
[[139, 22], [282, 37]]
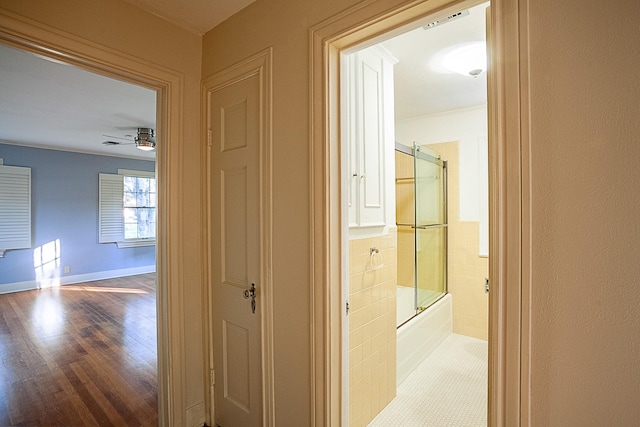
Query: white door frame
[[28, 35], [509, 204]]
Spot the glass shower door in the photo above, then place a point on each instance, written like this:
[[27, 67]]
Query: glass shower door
[[430, 227]]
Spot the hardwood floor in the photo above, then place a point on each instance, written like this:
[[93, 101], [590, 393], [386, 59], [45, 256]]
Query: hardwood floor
[[80, 355]]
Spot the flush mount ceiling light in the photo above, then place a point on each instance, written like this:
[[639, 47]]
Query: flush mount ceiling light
[[145, 140], [467, 59]]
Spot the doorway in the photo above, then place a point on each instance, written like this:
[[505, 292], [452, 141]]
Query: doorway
[[508, 296], [87, 56], [237, 103], [451, 128]]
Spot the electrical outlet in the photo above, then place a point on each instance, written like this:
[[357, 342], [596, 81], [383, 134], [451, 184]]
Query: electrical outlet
[[67, 269]]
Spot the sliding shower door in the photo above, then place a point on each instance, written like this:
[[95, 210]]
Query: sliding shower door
[[430, 227], [421, 217]]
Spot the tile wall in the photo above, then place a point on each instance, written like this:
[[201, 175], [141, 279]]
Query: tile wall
[[466, 269], [372, 324]]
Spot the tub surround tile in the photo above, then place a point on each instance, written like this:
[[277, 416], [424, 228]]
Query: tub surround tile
[[467, 270]]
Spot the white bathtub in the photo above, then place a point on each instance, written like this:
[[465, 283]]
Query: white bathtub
[[417, 338]]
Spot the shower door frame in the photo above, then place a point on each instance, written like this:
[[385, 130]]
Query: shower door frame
[[415, 153], [442, 164]]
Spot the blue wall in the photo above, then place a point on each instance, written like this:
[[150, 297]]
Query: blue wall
[[64, 206]]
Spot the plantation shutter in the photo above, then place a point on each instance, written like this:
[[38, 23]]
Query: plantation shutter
[[15, 208], [111, 223]]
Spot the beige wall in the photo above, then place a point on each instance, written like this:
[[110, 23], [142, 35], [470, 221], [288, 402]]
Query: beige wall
[[585, 317], [585, 101], [372, 326], [284, 25], [131, 32]]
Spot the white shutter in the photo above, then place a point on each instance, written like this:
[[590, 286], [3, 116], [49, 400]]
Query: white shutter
[[111, 222], [15, 208]]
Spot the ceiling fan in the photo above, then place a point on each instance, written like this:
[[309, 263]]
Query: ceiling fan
[[145, 140]]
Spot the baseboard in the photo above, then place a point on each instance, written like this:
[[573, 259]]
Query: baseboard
[[30, 285], [196, 415]]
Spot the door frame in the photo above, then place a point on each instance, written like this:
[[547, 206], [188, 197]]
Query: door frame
[[25, 34], [259, 64], [509, 203]]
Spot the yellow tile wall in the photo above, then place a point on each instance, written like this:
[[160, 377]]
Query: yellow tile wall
[[372, 327], [466, 269]]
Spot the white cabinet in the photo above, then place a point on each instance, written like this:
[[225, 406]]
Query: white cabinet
[[367, 132]]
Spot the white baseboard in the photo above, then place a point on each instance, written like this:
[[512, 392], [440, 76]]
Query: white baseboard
[[77, 278], [196, 414]]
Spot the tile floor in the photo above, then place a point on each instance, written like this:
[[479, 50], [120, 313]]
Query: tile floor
[[448, 389]]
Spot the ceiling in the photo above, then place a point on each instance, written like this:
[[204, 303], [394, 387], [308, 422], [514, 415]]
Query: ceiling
[[45, 103], [197, 16], [51, 104], [422, 84]]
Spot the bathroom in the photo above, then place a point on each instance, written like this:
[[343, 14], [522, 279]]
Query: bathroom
[[390, 332]]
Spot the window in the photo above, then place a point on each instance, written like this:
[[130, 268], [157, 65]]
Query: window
[[139, 207], [127, 208]]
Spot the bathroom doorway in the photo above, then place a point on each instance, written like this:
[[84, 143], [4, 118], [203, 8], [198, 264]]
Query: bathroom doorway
[[376, 360]]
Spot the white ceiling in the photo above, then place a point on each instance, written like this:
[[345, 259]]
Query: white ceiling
[[422, 87], [198, 16], [48, 104]]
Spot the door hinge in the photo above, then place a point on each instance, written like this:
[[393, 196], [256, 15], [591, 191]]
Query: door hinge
[[347, 308], [212, 376], [486, 285], [209, 137]]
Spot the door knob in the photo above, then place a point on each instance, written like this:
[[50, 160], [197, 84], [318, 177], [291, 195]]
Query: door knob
[[251, 294]]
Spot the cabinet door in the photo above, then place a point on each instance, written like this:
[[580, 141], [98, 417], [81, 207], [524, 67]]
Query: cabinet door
[[351, 170], [370, 140]]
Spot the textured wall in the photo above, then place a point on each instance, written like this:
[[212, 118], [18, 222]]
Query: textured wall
[[584, 129]]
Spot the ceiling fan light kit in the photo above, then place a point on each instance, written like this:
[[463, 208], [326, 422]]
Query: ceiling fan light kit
[[145, 140]]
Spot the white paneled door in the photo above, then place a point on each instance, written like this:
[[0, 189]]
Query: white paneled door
[[235, 129]]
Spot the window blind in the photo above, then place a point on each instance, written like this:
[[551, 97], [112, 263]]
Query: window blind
[[15, 208], [111, 225]]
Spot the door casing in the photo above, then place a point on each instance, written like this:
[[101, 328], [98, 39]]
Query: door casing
[[34, 37], [509, 227]]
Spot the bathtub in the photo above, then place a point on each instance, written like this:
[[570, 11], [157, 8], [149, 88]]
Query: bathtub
[[417, 338]]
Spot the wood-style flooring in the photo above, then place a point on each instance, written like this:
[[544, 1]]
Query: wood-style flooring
[[80, 355]]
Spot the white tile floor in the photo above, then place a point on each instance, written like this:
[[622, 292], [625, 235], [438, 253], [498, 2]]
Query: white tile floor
[[448, 389]]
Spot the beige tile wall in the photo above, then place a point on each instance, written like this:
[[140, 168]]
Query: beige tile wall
[[466, 269], [372, 327]]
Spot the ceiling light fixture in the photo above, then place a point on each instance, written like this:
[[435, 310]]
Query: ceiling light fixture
[[145, 140], [467, 59]]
